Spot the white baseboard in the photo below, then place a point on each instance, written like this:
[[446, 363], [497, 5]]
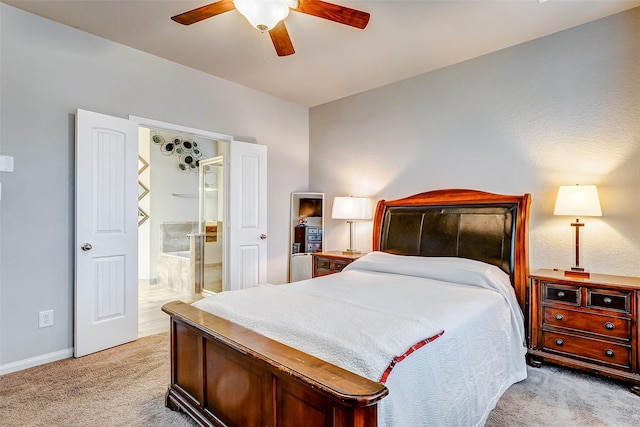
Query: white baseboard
[[35, 361]]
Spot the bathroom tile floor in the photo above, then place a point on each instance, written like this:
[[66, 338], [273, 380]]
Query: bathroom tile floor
[[151, 319]]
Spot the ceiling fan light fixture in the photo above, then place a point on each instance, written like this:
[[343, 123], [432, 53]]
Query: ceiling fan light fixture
[[263, 14]]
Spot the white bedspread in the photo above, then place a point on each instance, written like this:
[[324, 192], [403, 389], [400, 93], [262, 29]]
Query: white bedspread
[[362, 339], [455, 380]]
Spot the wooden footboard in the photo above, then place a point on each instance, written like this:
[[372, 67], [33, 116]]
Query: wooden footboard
[[223, 374]]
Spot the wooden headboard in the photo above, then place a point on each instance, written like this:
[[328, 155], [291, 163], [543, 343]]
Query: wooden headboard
[[492, 228]]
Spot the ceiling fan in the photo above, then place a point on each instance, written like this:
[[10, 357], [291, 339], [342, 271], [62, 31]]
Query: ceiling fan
[[268, 15]]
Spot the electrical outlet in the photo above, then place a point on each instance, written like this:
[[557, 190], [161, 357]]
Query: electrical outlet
[[45, 319]]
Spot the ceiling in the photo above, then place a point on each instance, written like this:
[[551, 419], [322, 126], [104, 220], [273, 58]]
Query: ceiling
[[332, 61]]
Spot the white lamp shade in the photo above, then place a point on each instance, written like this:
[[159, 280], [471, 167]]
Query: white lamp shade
[[351, 208], [263, 14], [578, 200]]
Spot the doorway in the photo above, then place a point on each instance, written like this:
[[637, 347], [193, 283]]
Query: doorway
[[169, 220]]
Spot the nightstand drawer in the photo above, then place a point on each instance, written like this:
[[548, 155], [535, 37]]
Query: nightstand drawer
[[606, 326], [325, 263], [561, 293], [338, 265], [612, 300], [587, 348], [331, 265]]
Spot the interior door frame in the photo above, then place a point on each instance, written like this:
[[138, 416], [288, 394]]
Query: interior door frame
[[151, 123], [172, 127]]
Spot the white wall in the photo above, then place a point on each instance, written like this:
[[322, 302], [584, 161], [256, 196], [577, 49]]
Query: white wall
[[48, 70], [559, 110]]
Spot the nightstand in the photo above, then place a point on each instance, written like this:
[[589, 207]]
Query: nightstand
[[325, 263], [586, 323]]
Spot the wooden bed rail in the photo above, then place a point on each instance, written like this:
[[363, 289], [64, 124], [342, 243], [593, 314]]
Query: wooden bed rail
[[219, 370]]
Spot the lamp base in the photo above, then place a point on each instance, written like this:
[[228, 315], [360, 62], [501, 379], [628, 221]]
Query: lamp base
[[351, 252], [579, 273]]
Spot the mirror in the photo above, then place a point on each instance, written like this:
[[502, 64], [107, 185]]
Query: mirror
[[307, 233], [210, 264]]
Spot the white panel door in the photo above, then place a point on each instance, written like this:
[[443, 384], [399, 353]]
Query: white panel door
[[247, 215], [106, 232]]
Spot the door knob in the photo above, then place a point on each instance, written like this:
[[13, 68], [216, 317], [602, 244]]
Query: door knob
[[86, 247], [263, 236]]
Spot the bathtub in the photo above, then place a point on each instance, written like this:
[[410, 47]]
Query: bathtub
[[174, 271]]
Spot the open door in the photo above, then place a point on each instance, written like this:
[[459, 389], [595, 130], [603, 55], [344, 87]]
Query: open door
[[106, 232], [247, 215]]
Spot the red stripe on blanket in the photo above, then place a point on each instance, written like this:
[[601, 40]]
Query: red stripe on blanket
[[398, 359]]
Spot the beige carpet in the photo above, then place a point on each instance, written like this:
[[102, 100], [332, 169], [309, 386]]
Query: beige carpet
[[122, 386], [555, 396], [125, 386]]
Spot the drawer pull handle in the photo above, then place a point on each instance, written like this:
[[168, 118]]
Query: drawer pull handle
[[559, 316], [610, 326], [609, 353], [561, 294], [559, 342], [607, 300]]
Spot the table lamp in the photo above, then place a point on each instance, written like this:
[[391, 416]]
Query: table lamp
[[577, 201], [351, 209]]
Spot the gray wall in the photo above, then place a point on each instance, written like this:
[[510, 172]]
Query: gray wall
[[559, 110], [48, 70]]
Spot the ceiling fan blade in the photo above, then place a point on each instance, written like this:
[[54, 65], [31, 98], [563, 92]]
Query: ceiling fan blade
[[204, 12], [334, 12], [281, 40]]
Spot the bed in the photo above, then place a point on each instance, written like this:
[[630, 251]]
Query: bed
[[441, 346]]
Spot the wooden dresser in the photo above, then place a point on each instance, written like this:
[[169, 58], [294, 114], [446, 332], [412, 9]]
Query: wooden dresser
[[331, 262], [586, 323]]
